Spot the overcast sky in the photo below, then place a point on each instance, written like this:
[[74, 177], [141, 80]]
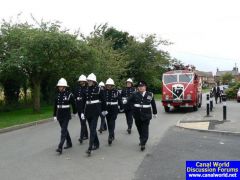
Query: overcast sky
[[205, 33]]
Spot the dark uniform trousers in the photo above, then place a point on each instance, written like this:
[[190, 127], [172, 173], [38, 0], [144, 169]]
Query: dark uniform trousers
[[111, 119], [79, 101], [64, 133], [94, 100], [84, 130], [103, 124], [63, 113], [92, 122], [143, 130], [113, 99], [143, 106], [129, 117], [128, 110]]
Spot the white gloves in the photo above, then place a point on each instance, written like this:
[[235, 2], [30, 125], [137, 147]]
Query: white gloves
[[104, 113], [82, 116], [124, 101], [55, 119], [155, 115]]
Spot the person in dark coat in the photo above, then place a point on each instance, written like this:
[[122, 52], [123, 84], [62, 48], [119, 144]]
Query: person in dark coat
[[80, 90], [94, 105], [62, 113], [113, 99], [143, 107], [128, 109], [103, 125], [217, 93]]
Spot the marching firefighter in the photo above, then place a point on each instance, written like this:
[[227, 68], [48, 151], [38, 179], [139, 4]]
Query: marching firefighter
[[62, 113], [79, 101], [113, 99], [127, 92], [95, 104], [143, 106], [103, 125]]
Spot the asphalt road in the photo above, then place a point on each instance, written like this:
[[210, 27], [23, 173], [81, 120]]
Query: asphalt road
[[168, 158], [29, 154]]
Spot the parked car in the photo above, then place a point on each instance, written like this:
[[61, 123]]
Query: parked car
[[238, 95]]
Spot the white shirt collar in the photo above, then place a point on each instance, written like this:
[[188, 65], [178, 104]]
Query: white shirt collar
[[143, 94]]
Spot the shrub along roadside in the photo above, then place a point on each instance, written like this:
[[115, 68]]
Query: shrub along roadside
[[232, 92]]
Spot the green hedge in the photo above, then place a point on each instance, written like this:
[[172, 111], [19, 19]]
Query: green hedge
[[232, 92]]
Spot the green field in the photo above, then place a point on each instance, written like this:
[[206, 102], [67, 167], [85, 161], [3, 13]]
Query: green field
[[8, 119]]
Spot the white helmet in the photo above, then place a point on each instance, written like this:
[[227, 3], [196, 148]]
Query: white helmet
[[92, 77], [62, 82], [82, 78], [129, 80], [101, 84], [110, 82]]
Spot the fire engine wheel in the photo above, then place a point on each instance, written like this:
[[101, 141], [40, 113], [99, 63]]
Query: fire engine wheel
[[167, 109], [195, 108]]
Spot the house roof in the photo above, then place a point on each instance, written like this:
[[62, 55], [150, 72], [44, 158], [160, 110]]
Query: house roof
[[220, 73], [205, 74]]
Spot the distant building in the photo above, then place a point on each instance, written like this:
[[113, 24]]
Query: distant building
[[234, 73], [206, 77]]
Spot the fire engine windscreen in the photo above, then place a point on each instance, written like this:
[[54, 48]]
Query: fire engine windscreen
[[174, 78], [169, 79], [185, 78]]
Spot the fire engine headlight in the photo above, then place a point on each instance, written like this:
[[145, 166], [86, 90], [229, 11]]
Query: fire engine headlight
[[189, 96], [167, 97]]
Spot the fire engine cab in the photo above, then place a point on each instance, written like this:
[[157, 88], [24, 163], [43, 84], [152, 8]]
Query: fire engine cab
[[181, 88]]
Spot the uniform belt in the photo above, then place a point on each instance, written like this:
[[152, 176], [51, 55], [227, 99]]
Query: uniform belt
[[79, 98], [92, 102], [142, 106], [63, 106], [112, 103]]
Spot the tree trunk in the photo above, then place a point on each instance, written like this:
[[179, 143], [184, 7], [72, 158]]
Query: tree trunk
[[36, 96], [25, 93]]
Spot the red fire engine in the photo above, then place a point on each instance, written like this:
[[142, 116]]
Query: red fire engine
[[181, 88]]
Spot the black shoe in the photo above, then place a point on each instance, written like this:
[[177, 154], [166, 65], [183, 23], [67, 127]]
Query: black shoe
[[142, 147], [85, 138], [95, 147], [89, 152], [80, 140], [59, 150], [129, 131], [100, 130], [68, 146], [110, 141]]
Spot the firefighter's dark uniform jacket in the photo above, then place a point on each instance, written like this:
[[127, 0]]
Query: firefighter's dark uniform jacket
[[143, 106], [62, 104]]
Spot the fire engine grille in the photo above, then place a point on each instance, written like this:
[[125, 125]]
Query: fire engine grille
[[177, 92]]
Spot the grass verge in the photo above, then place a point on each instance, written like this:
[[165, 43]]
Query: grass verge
[[157, 96], [22, 116]]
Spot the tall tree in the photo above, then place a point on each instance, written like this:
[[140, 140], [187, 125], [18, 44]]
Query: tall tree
[[147, 62], [227, 78], [44, 51]]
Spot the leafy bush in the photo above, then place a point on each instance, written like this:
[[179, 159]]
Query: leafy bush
[[232, 92]]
